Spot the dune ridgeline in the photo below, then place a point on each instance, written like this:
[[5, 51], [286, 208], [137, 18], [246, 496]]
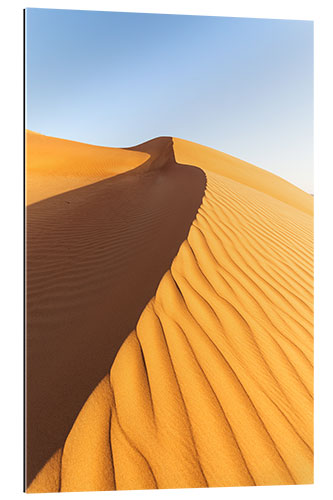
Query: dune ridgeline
[[169, 339]]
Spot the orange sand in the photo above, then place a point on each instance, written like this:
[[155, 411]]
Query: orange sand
[[56, 166], [214, 386], [95, 256], [242, 172]]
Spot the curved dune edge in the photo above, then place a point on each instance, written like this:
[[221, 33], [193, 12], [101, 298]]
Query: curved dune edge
[[215, 385], [94, 257]]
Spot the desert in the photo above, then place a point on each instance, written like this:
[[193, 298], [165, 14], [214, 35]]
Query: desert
[[169, 341]]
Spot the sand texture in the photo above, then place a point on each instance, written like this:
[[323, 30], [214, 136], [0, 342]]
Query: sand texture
[[213, 383], [95, 256]]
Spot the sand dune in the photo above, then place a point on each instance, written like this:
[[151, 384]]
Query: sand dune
[[214, 385], [95, 256]]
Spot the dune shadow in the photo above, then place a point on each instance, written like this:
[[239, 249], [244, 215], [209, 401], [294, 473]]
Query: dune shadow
[[94, 257]]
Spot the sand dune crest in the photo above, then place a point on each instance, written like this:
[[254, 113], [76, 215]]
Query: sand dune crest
[[95, 256]]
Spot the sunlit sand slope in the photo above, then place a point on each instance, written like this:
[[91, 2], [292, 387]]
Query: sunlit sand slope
[[214, 387], [243, 172]]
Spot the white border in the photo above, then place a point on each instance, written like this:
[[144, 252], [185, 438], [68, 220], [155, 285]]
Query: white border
[[11, 246]]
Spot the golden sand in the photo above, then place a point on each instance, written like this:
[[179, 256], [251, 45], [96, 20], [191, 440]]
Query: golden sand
[[95, 256], [214, 387], [243, 172]]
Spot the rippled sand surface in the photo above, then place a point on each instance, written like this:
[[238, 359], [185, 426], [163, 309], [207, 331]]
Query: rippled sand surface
[[214, 384]]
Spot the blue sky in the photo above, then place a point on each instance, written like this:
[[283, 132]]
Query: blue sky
[[242, 86]]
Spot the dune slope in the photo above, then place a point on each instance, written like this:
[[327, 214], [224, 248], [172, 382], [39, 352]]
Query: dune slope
[[55, 166], [243, 172], [94, 258], [214, 386]]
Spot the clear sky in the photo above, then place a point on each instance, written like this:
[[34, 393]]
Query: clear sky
[[242, 86]]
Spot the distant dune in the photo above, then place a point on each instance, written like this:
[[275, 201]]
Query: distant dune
[[202, 278], [56, 165]]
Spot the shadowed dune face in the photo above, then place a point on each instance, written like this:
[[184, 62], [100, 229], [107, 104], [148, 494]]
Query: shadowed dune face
[[94, 258]]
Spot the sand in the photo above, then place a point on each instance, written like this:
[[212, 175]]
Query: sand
[[55, 166], [95, 256], [242, 172], [214, 385]]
